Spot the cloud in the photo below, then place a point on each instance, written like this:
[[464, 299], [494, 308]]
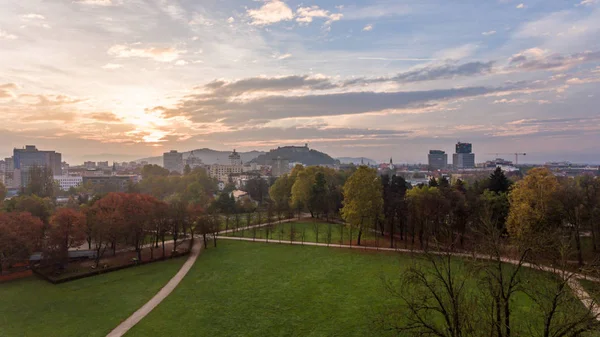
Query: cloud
[[267, 84], [521, 6], [456, 53], [7, 36], [200, 20], [271, 12], [230, 20], [50, 116], [112, 66], [488, 33], [587, 2], [368, 28], [537, 59], [181, 62], [307, 14], [105, 117], [6, 90], [95, 2], [223, 107], [157, 54], [432, 72], [33, 16], [282, 56], [374, 11]]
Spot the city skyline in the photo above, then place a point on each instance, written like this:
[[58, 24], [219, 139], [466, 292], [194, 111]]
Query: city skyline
[[104, 79]]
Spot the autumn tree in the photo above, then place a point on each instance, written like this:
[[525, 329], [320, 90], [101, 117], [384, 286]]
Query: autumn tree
[[20, 235], [534, 206], [280, 193], [363, 202], [301, 192], [3, 192], [67, 230]]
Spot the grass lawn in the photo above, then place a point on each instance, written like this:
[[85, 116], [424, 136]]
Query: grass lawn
[[592, 288], [308, 231], [259, 289], [88, 307]]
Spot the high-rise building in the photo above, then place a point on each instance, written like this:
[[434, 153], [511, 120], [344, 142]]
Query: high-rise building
[[280, 167], [28, 157], [437, 159], [102, 164], [89, 164], [235, 159], [173, 161], [463, 158]]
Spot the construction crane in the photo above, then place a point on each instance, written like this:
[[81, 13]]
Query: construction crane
[[516, 154]]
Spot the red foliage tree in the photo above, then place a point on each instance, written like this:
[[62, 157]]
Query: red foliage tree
[[20, 235], [67, 230]]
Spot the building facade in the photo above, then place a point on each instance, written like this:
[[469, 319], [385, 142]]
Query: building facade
[[26, 158], [280, 167], [464, 158], [173, 161], [66, 182], [437, 160]]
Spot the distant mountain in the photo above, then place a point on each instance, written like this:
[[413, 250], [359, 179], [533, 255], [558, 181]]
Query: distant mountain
[[356, 160], [208, 156], [298, 154]]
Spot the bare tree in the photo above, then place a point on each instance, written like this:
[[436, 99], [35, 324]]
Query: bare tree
[[436, 299]]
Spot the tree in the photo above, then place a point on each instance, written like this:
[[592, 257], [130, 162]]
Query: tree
[[187, 169], [318, 195], [41, 182], [105, 224], [20, 235], [533, 204], [394, 206], [436, 297], [153, 171], [39, 207], [67, 230], [301, 192], [498, 182], [571, 198], [363, 202], [3, 192], [280, 192], [257, 188]]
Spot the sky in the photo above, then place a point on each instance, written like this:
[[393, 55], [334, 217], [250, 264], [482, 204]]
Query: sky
[[126, 79]]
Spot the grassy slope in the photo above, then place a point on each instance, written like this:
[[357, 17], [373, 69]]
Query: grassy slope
[[86, 307], [255, 289], [307, 228]]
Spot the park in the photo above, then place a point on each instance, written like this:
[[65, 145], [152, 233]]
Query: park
[[362, 256]]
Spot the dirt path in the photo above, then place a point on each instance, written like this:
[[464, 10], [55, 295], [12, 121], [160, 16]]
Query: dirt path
[[160, 296], [573, 281]]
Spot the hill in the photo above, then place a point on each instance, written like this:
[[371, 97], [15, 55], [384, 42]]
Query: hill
[[296, 154], [356, 160], [208, 156]]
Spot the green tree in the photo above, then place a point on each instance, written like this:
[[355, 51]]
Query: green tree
[[39, 207], [318, 195], [498, 182], [187, 170], [281, 192], [3, 193], [363, 202], [154, 170]]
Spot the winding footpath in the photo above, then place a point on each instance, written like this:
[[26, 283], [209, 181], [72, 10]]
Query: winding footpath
[[160, 296]]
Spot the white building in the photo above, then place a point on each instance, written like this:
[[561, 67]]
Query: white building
[[66, 182], [222, 172]]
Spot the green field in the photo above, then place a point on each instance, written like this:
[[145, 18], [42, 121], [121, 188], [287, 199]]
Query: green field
[[88, 307], [308, 231], [258, 289]]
